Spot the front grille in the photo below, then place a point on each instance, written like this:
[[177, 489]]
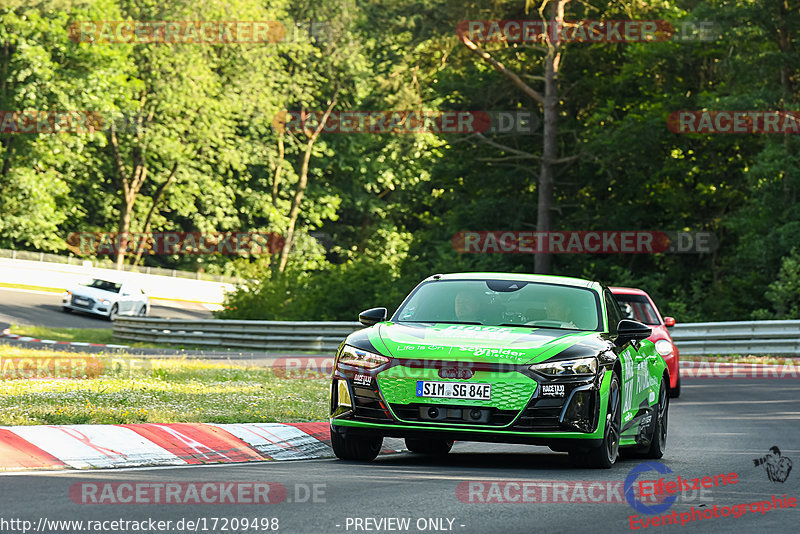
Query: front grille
[[411, 412], [541, 415], [367, 407], [511, 395], [90, 304]]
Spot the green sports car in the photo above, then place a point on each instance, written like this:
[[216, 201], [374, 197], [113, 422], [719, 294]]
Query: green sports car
[[511, 358]]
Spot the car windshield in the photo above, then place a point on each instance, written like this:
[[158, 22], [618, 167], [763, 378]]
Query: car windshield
[[638, 308], [105, 285], [502, 303]]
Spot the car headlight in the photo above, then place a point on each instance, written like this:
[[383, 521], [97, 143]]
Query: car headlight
[[663, 347], [577, 367], [361, 358]]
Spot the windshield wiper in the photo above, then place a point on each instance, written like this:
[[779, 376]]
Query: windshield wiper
[[537, 326]]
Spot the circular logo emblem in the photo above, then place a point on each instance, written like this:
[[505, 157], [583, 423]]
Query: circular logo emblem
[[630, 484]]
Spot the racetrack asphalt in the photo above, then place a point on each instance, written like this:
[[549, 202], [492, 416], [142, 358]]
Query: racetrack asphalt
[[716, 427]]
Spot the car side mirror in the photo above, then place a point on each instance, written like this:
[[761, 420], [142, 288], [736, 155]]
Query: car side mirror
[[372, 316], [669, 321], [628, 330]]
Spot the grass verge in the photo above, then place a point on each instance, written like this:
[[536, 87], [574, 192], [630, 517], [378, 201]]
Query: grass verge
[[39, 387]]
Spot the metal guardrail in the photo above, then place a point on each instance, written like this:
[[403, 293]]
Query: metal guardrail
[[46, 257], [737, 337], [312, 336]]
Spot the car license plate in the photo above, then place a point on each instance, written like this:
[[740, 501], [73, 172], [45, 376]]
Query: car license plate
[[82, 302], [454, 390]]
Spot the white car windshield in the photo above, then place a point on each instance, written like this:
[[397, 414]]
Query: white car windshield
[[105, 285]]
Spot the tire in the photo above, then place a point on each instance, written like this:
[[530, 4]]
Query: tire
[[435, 447], [676, 391], [142, 312], [658, 441], [358, 448], [604, 456], [114, 313]]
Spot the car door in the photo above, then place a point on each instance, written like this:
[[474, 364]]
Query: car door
[[125, 303], [632, 368]]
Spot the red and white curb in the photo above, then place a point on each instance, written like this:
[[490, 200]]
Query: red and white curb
[[7, 333], [150, 444]]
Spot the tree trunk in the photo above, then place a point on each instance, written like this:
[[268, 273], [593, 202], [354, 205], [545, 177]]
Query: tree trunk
[[276, 179], [294, 212], [148, 221], [544, 220], [549, 103], [130, 189]]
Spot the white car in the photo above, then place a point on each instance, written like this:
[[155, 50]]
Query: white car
[[108, 298]]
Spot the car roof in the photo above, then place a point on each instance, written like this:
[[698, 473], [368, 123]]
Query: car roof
[[541, 278], [628, 291]]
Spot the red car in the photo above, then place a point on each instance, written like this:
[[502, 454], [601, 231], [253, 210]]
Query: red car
[[637, 305]]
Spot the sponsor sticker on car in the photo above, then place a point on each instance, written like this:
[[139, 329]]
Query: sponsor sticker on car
[[552, 390], [362, 380], [454, 390]]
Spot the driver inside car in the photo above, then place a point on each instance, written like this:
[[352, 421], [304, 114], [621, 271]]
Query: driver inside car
[[467, 307], [559, 310]]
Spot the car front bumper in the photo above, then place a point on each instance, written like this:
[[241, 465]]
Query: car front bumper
[[85, 304], [579, 415]]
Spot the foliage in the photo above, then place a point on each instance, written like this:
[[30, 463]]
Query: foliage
[[380, 210]]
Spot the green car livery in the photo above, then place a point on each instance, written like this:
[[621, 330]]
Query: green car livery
[[513, 358]]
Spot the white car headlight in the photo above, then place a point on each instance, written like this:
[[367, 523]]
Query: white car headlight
[[663, 347], [361, 358], [577, 367], [105, 302]]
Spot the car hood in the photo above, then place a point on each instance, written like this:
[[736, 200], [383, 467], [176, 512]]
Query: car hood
[[659, 332], [492, 344], [95, 293]]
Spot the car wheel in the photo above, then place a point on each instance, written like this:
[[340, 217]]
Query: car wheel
[[676, 391], [142, 311], [358, 448], [429, 446], [658, 441], [605, 455], [114, 313]]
